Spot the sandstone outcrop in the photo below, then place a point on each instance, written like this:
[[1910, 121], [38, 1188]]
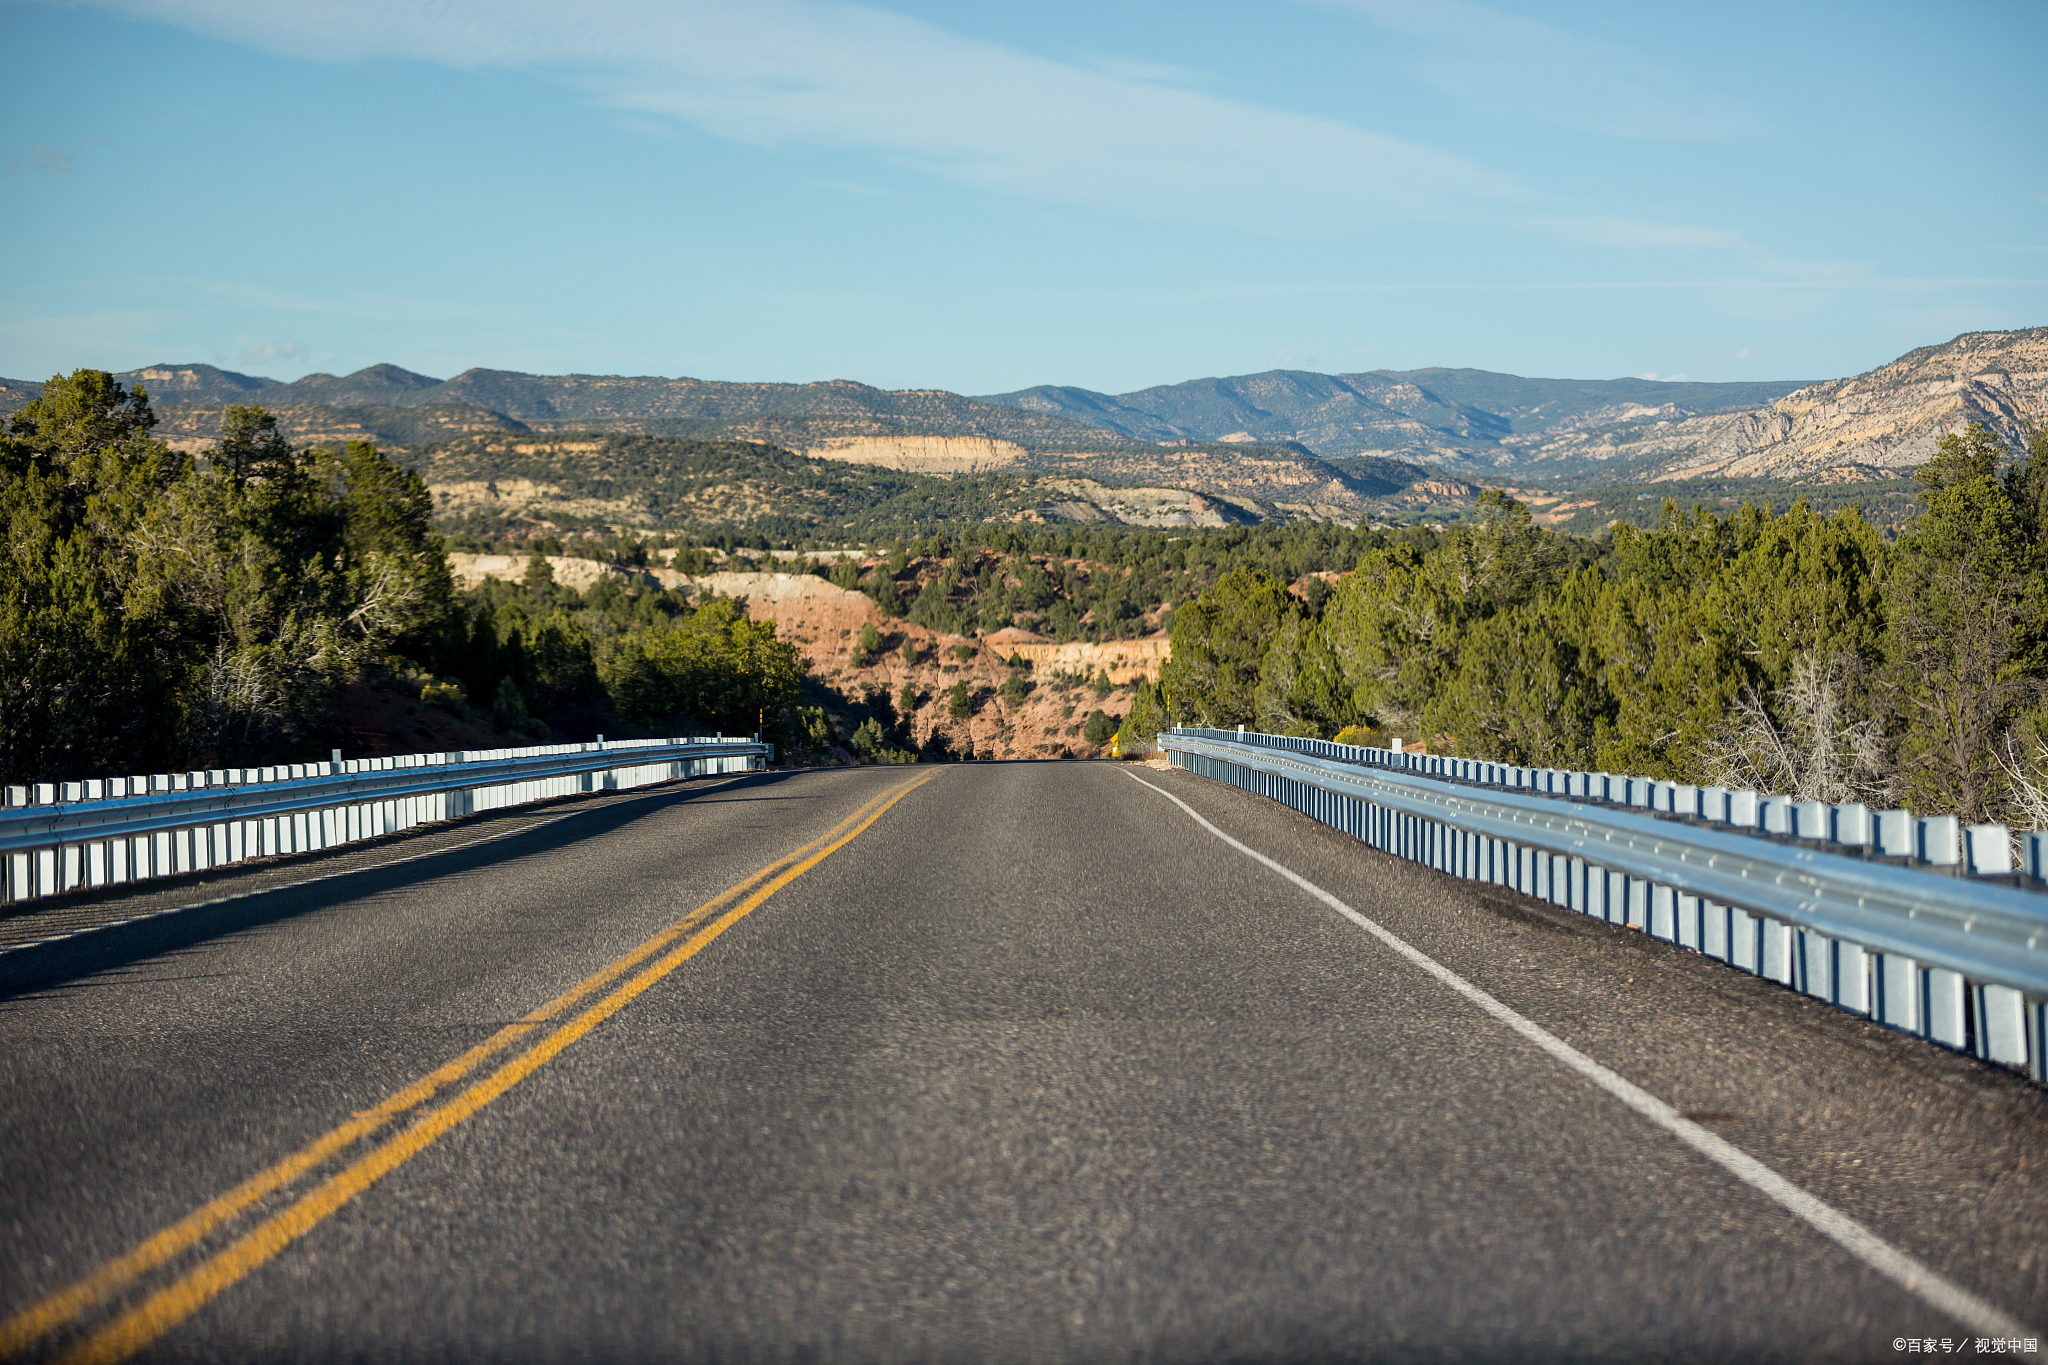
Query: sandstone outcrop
[[470, 570], [1875, 425], [1125, 661], [1087, 502], [941, 455]]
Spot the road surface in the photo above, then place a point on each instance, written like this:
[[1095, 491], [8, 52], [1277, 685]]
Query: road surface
[[978, 1062]]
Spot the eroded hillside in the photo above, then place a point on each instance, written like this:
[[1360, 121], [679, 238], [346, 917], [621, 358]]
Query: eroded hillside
[[495, 483], [1870, 426], [1035, 707]]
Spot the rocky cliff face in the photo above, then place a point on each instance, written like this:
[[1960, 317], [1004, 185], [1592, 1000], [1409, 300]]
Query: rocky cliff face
[[1870, 426], [1086, 502], [942, 455], [1280, 478]]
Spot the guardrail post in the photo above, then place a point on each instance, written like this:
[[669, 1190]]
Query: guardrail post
[[1745, 940], [1942, 1006], [1851, 969], [1814, 962], [1690, 916], [1895, 991], [2001, 1025], [1940, 840], [1743, 809], [1714, 936], [1663, 913], [1776, 812], [1987, 850], [1777, 952], [1943, 993], [1895, 834]]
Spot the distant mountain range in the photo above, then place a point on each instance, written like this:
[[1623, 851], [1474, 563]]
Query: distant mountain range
[[1471, 418], [1357, 434], [795, 415], [1466, 415]]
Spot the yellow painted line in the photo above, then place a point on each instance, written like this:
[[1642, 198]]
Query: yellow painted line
[[68, 1302], [171, 1305]]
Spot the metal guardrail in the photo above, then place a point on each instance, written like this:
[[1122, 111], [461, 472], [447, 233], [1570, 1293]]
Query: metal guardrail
[[1912, 921], [59, 837]]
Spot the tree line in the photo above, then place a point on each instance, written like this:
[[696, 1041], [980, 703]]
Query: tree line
[[1066, 582], [614, 660], [1798, 653], [161, 611], [1069, 583]]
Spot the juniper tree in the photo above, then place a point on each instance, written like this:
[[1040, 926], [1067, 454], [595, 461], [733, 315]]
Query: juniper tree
[[1219, 644], [1967, 638], [94, 648]]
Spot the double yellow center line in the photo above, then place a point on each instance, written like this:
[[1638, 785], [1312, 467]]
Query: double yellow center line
[[164, 1309]]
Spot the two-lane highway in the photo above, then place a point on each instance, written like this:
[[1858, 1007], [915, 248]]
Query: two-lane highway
[[987, 1061]]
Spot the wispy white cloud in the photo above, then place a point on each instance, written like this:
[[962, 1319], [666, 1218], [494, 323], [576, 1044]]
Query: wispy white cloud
[[1105, 134], [268, 353], [50, 159], [1136, 69], [1526, 69], [791, 73], [1602, 230]]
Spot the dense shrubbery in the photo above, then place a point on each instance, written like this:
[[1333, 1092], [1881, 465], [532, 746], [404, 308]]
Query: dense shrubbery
[[616, 661], [1082, 584], [157, 613], [1070, 583], [1797, 653], [161, 612]]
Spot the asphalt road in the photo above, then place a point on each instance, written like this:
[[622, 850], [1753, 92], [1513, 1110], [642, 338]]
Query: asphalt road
[[1028, 1067]]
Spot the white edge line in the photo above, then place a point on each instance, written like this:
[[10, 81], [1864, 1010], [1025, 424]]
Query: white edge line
[[1859, 1241], [339, 872]]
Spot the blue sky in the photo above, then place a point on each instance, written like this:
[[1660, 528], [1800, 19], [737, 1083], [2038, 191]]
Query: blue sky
[[981, 197]]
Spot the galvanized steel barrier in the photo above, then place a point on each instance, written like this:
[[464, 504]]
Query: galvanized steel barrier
[[1917, 922], [63, 836]]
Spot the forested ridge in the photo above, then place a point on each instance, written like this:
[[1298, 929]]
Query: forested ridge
[[165, 611], [1798, 653], [711, 487], [161, 612]]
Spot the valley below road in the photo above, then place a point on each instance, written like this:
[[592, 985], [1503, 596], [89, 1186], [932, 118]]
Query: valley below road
[[993, 1061]]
